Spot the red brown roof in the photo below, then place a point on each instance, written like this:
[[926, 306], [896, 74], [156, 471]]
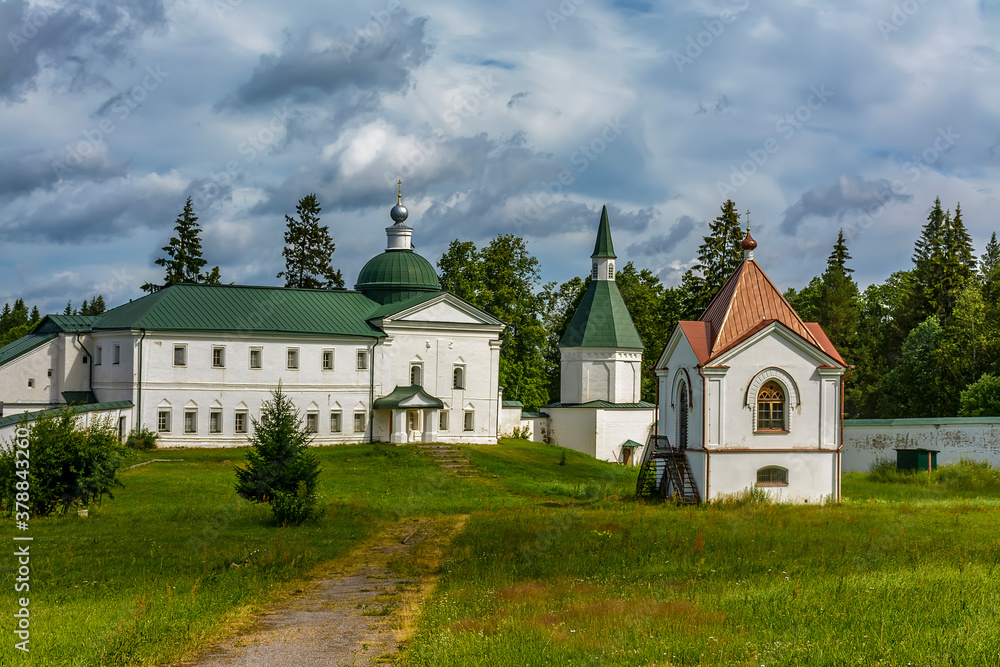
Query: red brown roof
[[748, 302]]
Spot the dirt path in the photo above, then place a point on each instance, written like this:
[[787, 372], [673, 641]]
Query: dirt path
[[359, 613]]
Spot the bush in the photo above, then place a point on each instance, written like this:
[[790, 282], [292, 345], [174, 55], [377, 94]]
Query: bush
[[280, 468], [982, 398], [141, 439], [70, 465]]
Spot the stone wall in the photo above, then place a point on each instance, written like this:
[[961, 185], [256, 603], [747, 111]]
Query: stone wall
[[866, 440]]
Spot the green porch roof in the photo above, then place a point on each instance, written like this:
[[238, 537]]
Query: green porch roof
[[631, 443], [246, 309], [90, 407], [413, 396], [604, 248], [602, 320]]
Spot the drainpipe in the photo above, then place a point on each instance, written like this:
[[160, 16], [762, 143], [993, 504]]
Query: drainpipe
[[138, 399], [90, 375], [704, 432]]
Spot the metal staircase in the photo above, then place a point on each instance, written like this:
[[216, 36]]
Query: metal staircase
[[664, 472]]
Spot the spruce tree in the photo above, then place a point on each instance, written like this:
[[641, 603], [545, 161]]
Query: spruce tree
[[840, 299], [309, 249], [991, 257], [184, 261], [718, 257]]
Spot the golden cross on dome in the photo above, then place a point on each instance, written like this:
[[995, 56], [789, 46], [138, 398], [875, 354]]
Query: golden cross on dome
[[748, 221], [399, 197]]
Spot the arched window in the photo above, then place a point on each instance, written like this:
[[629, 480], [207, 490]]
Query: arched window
[[682, 417], [771, 408], [772, 476], [458, 378], [415, 375], [611, 270]]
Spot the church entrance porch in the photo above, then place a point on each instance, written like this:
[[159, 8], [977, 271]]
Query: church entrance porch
[[413, 414]]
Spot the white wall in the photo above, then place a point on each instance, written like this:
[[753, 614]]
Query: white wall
[[574, 428], [812, 476], [510, 419], [600, 374], [866, 440], [616, 425]]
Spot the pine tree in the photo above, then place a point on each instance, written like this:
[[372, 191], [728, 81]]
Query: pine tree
[[184, 261], [309, 249], [718, 257], [943, 263], [840, 299], [280, 468], [35, 315], [991, 257], [69, 308]]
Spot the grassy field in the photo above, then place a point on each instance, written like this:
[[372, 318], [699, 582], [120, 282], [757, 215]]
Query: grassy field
[[557, 565]]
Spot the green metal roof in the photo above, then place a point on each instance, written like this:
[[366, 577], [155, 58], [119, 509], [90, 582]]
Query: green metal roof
[[513, 404], [399, 306], [604, 248], [23, 345], [602, 320], [413, 396], [66, 323], [91, 407], [603, 404], [79, 397], [631, 443], [395, 275], [246, 309]]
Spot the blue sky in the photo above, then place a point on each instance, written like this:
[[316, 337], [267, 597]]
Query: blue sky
[[515, 117]]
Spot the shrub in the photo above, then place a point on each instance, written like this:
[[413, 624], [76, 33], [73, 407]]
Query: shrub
[[982, 398], [280, 468], [141, 439], [70, 465], [968, 475]]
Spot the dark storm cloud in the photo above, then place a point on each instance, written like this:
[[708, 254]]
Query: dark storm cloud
[[665, 244], [22, 173], [74, 38], [363, 64], [849, 194]]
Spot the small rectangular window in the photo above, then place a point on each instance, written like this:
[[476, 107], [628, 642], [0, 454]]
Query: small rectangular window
[[190, 421], [772, 476], [31, 383], [335, 422], [470, 422], [240, 422], [215, 421], [327, 360], [443, 421], [256, 357], [117, 355], [180, 355], [312, 422], [218, 357], [359, 422], [98, 356], [50, 372], [458, 378], [292, 359], [163, 421], [362, 360]]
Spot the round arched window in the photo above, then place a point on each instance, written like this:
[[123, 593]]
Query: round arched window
[[771, 408]]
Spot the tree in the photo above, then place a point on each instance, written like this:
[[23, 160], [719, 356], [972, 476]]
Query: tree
[[882, 319], [95, 307], [718, 257], [184, 262], [839, 297], [943, 263], [989, 271], [982, 398], [308, 250], [808, 301], [280, 468], [913, 388], [71, 465], [559, 303], [501, 279]]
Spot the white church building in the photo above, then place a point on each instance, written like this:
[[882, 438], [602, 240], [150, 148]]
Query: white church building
[[394, 360], [750, 396]]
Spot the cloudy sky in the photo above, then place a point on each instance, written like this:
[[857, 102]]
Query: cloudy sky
[[515, 117]]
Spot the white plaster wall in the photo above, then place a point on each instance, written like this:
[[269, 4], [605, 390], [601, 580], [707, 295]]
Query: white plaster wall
[[812, 477], [538, 428], [83, 419], [615, 426], [683, 357], [574, 428], [510, 419], [865, 441], [14, 375], [600, 374]]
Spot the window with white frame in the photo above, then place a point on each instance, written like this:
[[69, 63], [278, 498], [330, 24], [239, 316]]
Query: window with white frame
[[240, 421], [190, 421], [256, 358], [327, 360], [458, 378], [180, 355], [611, 270], [593, 272], [292, 359], [470, 420], [443, 421], [772, 476], [215, 421], [98, 356], [163, 421], [771, 408], [362, 360], [359, 422], [336, 421], [416, 374], [312, 422], [218, 356]]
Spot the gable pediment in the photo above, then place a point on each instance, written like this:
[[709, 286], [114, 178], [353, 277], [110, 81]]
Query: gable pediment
[[786, 335], [444, 309]]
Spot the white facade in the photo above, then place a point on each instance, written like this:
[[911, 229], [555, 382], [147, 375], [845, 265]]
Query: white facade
[[600, 374]]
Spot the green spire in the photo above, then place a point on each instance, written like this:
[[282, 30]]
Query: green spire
[[604, 248]]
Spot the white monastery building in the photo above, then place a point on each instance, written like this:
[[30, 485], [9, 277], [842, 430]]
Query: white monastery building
[[394, 360], [750, 396]]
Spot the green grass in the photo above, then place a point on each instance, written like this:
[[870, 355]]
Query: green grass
[[558, 564]]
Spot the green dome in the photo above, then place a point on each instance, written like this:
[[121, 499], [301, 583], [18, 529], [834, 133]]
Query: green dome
[[395, 275]]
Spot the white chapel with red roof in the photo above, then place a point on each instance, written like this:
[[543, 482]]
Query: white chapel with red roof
[[750, 397]]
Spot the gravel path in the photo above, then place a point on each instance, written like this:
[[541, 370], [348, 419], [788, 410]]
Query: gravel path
[[353, 617]]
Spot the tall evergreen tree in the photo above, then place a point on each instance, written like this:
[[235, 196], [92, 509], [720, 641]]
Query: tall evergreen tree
[[840, 298], [718, 257], [943, 263], [308, 250], [184, 262], [990, 260]]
